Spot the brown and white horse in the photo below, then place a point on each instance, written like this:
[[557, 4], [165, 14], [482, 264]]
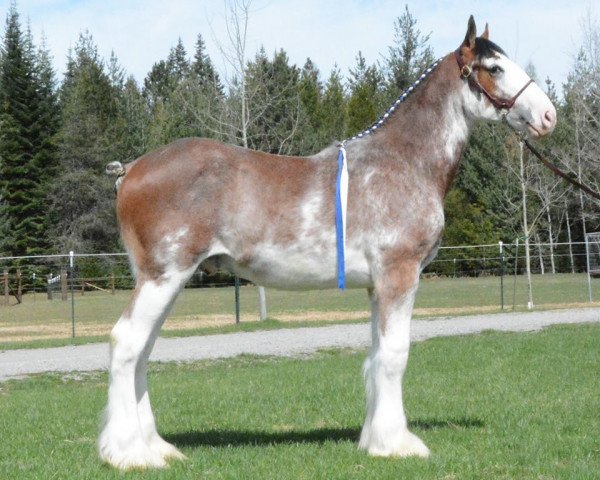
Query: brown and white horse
[[271, 219]]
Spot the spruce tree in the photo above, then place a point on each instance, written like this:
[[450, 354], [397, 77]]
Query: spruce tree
[[185, 98], [335, 109], [408, 56], [136, 117], [311, 96], [277, 118], [204, 70], [365, 103], [166, 75], [28, 122], [91, 136], [6, 232]]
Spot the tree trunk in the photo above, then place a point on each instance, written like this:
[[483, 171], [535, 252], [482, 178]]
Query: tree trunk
[[571, 257], [579, 179], [526, 228], [262, 303], [540, 254], [550, 240]]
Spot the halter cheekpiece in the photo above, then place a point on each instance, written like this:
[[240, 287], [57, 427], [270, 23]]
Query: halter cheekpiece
[[466, 72]]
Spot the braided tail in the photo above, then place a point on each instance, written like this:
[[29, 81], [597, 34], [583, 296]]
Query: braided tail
[[116, 169]]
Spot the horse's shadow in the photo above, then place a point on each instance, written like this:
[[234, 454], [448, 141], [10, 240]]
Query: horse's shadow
[[234, 438]]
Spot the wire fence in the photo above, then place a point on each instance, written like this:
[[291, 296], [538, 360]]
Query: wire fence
[[83, 294]]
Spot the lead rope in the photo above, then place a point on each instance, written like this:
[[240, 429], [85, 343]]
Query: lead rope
[[341, 185], [550, 166]]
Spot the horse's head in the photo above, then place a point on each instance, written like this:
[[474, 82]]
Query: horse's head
[[497, 88]]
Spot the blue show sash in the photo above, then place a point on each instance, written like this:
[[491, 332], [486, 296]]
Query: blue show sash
[[341, 203]]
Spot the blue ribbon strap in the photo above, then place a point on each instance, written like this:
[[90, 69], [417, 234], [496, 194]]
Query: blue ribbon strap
[[341, 201]]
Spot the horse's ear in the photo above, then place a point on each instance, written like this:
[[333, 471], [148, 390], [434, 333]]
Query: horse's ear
[[471, 34], [486, 32]]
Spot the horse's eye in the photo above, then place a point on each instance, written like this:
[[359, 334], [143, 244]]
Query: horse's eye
[[495, 70]]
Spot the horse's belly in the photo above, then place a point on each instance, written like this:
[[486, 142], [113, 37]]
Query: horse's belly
[[306, 268]]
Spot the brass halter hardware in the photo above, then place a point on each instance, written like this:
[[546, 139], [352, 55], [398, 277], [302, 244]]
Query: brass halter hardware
[[466, 71]]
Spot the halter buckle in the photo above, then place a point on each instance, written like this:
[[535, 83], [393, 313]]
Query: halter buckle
[[466, 71]]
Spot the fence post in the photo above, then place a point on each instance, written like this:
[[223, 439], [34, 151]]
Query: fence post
[[6, 290], [19, 286], [237, 299], [587, 259], [72, 266], [501, 268], [112, 283], [49, 285], [515, 276], [63, 284], [262, 303]]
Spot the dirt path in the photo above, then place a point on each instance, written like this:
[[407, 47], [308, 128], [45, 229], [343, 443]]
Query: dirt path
[[284, 342]]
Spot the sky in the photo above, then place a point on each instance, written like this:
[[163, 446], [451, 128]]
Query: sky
[[546, 33]]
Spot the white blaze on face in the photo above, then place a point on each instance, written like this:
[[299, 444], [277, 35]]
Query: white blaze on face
[[533, 112]]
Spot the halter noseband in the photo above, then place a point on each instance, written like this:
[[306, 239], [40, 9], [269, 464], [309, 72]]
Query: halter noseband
[[466, 72]]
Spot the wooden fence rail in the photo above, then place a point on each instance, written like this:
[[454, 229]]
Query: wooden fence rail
[[12, 285]]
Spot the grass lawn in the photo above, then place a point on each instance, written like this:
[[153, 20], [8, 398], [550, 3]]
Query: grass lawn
[[38, 322], [491, 406]]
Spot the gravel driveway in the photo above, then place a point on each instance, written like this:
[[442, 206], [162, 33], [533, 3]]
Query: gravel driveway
[[285, 342]]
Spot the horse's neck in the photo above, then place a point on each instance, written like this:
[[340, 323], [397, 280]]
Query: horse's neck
[[431, 129]]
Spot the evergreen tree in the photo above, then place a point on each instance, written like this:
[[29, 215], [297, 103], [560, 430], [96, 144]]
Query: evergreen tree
[[6, 232], [166, 75], [136, 115], [90, 108], [365, 101], [466, 222], [157, 84], [177, 62], [409, 55], [186, 98], [311, 96], [273, 100], [486, 181], [204, 70], [311, 92], [334, 109], [47, 127], [91, 136], [27, 128]]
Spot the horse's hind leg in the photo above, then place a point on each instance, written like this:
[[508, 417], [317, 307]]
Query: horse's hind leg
[[129, 438]]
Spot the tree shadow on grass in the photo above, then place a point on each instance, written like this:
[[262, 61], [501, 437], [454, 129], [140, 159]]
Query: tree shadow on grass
[[234, 438]]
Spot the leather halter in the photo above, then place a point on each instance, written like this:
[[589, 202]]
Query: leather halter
[[466, 72]]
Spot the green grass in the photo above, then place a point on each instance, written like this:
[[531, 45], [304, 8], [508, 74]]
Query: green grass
[[492, 406], [21, 325]]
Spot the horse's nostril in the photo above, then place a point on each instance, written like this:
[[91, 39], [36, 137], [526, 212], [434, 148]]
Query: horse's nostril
[[549, 119]]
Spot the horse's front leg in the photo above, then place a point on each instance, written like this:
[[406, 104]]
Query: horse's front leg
[[385, 431]]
